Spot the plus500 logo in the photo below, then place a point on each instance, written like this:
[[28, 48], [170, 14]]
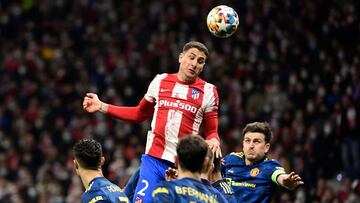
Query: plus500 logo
[[178, 104]]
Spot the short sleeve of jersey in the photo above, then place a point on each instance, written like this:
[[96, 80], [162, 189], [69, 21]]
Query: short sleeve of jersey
[[211, 99], [276, 170], [162, 193], [153, 89]]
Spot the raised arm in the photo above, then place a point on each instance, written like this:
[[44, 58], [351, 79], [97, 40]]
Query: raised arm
[[290, 181], [139, 113], [211, 132], [210, 121]]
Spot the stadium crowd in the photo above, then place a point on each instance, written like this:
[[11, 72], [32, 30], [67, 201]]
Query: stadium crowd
[[294, 64]]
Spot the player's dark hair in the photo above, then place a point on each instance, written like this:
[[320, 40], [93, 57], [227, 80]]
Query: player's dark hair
[[198, 45], [191, 151], [259, 127], [88, 153]]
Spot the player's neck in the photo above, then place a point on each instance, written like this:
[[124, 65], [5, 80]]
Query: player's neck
[[248, 163], [88, 175], [204, 176], [253, 162], [188, 174], [182, 78]]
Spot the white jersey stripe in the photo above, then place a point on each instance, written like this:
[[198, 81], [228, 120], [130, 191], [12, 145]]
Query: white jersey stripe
[[153, 95], [208, 102], [180, 91], [171, 134], [173, 123]]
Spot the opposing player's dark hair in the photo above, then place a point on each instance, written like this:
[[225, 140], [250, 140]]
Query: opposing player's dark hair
[[88, 153], [259, 127], [191, 152]]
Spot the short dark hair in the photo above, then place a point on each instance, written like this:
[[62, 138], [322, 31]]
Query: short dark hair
[[259, 127], [88, 153], [198, 45], [191, 151]]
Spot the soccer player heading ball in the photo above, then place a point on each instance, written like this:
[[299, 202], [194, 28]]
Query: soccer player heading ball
[[179, 104]]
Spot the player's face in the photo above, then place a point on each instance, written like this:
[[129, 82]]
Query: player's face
[[192, 63], [254, 147]]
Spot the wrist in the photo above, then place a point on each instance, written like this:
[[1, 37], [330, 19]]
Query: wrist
[[103, 107]]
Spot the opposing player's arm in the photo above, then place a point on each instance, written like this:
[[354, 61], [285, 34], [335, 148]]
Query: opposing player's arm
[[289, 181]]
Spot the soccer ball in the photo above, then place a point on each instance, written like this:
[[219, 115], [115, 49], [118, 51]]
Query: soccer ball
[[222, 21]]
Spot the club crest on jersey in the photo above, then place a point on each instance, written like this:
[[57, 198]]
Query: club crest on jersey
[[138, 200], [254, 172], [195, 93]]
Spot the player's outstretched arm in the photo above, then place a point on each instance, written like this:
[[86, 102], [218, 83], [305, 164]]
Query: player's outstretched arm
[[290, 181], [139, 113]]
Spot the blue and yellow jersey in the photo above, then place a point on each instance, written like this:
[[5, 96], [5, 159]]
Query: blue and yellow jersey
[[102, 190], [225, 189], [186, 190], [253, 183]]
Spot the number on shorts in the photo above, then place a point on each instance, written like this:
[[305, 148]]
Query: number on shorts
[[142, 191]]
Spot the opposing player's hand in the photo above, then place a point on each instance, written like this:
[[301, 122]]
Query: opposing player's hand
[[171, 174], [91, 102], [214, 145], [291, 180]]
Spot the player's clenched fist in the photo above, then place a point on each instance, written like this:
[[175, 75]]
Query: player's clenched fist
[[92, 103]]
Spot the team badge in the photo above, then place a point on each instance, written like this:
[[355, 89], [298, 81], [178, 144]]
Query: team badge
[[195, 93], [254, 172], [138, 200]]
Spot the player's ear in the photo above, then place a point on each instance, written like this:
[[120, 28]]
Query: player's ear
[[212, 168], [181, 55], [102, 161], [267, 147], [206, 163], [202, 69], [76, 166]]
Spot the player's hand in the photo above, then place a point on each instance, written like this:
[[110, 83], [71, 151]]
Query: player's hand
[[214, 145], [91, 103], [291, 180], [171, 174]]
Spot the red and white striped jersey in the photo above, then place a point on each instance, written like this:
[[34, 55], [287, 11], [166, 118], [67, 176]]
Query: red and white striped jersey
[[179, 111]]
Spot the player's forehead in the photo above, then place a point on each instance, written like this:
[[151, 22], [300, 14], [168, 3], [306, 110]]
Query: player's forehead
[[254, 135], [195, 52]]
